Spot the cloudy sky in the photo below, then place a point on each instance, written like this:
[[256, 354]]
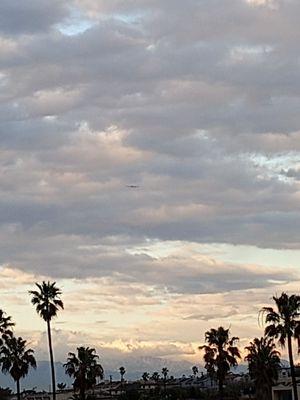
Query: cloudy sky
[[195, 102]]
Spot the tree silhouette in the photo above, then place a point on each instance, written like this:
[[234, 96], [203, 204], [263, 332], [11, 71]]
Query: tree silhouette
[[264, 364], [195, 370], [84, 368], [122, 371], [145, 376], [155, 376], [47, 302], [284, 325], [16, 360], [165, 372], [220, 355], [6, 326]]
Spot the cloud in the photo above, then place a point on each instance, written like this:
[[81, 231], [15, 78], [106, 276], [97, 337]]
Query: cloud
[[292, 173], [198, 106], [63, 257], [29, 17]]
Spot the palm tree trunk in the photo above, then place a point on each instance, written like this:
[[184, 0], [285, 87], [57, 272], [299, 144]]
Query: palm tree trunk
[[18, 390], [51, 360], [290, 350], [82, 391]]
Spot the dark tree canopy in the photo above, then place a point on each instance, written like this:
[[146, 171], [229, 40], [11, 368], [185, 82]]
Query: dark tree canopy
[[283, 324], [47, 300], [84, 368], [220, 354], [16, 359], [263, 363]]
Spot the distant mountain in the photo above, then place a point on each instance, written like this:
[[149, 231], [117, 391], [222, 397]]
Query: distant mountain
[[135, 366], [39, 378]]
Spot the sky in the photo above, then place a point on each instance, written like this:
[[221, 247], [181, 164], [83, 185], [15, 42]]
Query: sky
[[197, 104]]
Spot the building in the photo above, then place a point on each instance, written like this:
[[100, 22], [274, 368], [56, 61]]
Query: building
[[283, 389]]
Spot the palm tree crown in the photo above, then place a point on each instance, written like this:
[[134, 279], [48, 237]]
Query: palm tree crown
[[16, 359], [47, 300], [264, 364], [285, 321], [220, 354], [84, 368]]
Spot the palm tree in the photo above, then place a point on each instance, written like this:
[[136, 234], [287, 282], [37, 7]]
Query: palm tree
[[165, 372], [47, 301], [84, 368], [284, 325], [220, 354], [16, 360], [264, 364], [195, 370], [6, 326], [122, 371]]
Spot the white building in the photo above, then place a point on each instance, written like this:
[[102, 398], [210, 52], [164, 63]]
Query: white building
[[283, 390]]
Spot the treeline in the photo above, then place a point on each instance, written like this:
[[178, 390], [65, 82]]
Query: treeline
[[221, 351], [282, 324]]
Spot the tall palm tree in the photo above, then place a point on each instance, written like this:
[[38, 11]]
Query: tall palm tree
[[220, 354], [84, 368], [6, 326], [48, 302], [16, 360], [264, 364], [284, 325]]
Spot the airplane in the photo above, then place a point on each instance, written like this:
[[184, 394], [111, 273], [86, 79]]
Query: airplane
[[133, 186]]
